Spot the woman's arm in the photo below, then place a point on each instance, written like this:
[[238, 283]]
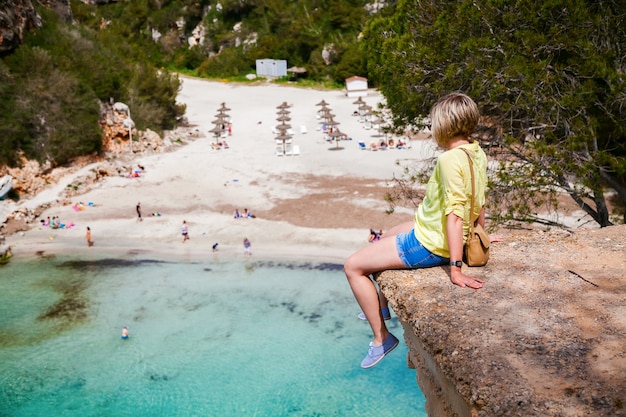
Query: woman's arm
[[481, 217], [481, 221], [454, 229]]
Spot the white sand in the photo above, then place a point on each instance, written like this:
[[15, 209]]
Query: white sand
[[201, 185]]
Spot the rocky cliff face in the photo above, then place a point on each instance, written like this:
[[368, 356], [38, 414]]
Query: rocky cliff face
[[19, 16], [32, 177], [119, 133], [61, 7], [16, 17], [544, 337]]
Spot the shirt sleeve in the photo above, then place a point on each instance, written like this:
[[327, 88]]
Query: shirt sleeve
[[454, 183]]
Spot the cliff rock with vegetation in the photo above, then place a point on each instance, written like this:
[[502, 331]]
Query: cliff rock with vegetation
[[57, 76], [16, 18]]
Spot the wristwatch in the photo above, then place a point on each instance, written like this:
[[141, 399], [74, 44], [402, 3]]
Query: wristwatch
[[456, 263]]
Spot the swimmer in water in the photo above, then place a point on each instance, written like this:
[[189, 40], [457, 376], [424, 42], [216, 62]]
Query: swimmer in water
[[125, 332]]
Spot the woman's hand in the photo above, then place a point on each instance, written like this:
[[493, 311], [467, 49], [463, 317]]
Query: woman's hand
[[495, 238], [459, 278]]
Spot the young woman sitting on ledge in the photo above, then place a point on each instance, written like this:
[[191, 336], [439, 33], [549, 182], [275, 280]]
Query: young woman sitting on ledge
[[441, 224]]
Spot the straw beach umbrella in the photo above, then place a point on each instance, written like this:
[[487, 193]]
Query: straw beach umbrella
[[217, 131], [284, 137], [326, 117], [323, 109], [336, 134], [283, 127], [379, 124], [220, 121], [365, 107]]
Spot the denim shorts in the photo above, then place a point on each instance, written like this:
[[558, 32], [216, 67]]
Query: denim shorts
[[414, 255]]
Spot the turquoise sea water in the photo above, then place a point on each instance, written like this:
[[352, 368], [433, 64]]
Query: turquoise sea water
[[220, 338]]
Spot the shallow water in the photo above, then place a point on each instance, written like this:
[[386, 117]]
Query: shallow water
[[207, 339]]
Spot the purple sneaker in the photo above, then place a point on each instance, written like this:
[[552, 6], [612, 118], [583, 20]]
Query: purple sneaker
[[377, 353]]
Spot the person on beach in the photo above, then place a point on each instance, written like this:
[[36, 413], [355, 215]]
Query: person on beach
[[437, 234], [247, 214], [88, 237], [185, 231], [374, 236], [138, 208], [247, 247], [125, 332]]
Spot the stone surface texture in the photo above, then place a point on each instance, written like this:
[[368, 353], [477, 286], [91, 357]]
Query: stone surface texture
[[546, 336]]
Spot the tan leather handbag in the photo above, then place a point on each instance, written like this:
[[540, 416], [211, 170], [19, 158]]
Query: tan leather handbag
[[476, 250]]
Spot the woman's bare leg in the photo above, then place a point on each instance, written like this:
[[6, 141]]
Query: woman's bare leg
[[377, 256], [396, 230], [401, 228]]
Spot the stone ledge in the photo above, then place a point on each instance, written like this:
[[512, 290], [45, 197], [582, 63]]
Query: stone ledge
[[546, 336]]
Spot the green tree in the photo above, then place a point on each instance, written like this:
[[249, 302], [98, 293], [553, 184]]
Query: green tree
[[548, 76], [57, 115]]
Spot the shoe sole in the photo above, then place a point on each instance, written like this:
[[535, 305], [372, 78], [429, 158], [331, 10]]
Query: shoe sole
[[365, 318], [382, 357]]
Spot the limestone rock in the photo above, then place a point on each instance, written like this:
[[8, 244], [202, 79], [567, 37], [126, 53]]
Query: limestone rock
[[115, 135], [16, 17], [61, 7], [328, 53], [98, 2], [30, 178], [19, 16]]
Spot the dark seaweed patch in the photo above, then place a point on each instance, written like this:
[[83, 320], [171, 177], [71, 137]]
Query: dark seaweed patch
[[306, 266], [313, 317], [100, 264], [291, 306], [72, 307]]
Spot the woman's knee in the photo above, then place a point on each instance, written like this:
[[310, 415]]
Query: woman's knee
[[351, 266]]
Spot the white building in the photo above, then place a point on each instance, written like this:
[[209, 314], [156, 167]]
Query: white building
[[356, 86], [271, 68]]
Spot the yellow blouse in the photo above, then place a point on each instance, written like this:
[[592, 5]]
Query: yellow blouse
[[449, 191]]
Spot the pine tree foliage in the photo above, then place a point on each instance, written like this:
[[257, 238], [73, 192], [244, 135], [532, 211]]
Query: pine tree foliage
[[549, 77]]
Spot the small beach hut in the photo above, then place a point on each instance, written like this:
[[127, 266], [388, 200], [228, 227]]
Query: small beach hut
[[356, 86], [271, 68]]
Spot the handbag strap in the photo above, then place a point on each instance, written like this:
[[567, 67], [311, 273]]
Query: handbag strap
[[471, 165]]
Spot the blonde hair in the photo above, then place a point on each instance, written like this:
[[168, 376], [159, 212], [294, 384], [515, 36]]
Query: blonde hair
[[453, 115]]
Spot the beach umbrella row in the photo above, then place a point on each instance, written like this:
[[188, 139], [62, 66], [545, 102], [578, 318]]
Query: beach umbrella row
[[367, 115], [364, 110], [328, 120], [283, 127]]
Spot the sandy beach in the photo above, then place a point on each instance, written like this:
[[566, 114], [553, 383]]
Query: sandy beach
[[319, 204]]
